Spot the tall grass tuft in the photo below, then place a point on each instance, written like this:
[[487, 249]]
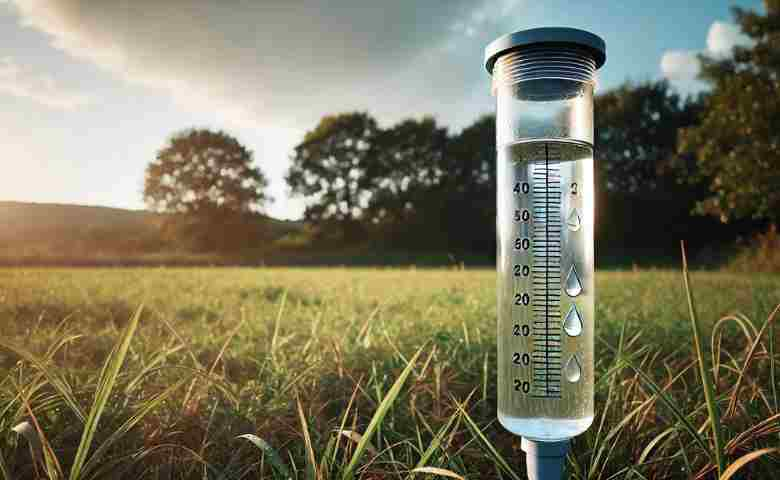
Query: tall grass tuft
[[705, 371], [376, 420], [106, 382]]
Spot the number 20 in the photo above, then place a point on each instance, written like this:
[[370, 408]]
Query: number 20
[[523, 270], [522, 299], [522, 386]]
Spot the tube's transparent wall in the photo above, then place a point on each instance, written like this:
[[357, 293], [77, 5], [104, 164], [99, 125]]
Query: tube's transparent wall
[[545, 206]]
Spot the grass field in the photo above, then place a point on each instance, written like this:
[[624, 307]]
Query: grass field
[[303, 363]]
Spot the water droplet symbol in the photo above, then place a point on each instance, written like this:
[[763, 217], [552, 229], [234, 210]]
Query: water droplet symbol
[[574, 220], [572, 324], [573, 286], [573, 370]]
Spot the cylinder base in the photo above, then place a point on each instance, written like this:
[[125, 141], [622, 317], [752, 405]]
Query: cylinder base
[[545, 429], [545, 460]]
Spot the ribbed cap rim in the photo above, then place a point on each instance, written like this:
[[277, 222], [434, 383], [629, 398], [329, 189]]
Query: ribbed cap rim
[[563, 36]]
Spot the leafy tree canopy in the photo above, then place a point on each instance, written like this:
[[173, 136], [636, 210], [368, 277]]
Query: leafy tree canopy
[[201, 171], [636, 130], [330, 167], [737, 143], [409, 162]]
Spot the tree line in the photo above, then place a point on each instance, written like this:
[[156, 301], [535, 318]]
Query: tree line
[[703, 168]]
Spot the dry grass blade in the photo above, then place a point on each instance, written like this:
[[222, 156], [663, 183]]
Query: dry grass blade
[[195, 393], [213, 380], [55, 380], [277, 325], [744, 460], [748, 358], [716, 337], [772, 373], [704, 372], [53, 467], [437, 471], [379, 415], [667, 400], [311, 462], [765, 427], [173, 447], [108, 377], [344, 419]]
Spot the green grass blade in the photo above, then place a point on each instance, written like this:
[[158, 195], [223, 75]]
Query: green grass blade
[[151, 366], [325, 464], [108, 377], [684, 453], [597, 444], [477, 432], [673, 408], [4, 468], [435, 443], [704, 370], [635, 472], [653, 443], [379, 415], [273, 457], [148, 406]]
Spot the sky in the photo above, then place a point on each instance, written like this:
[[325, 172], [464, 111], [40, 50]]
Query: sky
[[90, 91]]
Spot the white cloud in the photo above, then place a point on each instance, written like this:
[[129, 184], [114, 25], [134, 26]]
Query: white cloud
[[682, 67], [23, 82], [278, 62], [679, 65], [722, 37]]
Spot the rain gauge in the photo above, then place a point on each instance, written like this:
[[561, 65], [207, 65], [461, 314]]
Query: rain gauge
[[543, 81]]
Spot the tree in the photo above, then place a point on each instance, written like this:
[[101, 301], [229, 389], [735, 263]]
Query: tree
[[208, 181], [433, 190], [737, 143], [407, 165], [636, 130], [330, 168], [472, 168], [200, 172], [643, 205], [470, 209]]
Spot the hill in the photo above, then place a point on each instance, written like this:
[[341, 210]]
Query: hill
[[48, 233]]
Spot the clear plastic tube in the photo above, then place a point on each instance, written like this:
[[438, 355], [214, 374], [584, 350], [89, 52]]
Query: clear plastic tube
[[545, 203]]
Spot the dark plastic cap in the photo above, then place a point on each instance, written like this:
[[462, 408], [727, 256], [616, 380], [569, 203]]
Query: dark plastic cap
[[563, 36]]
